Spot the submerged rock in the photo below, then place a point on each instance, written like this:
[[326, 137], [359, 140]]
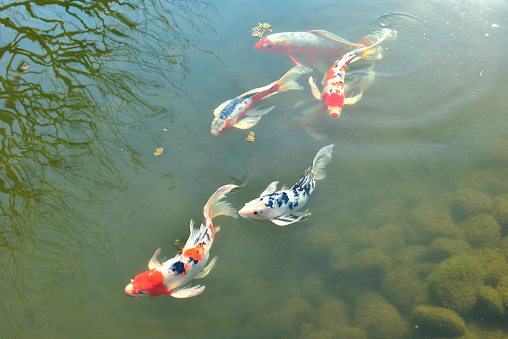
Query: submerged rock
[[428, 222], [493, 265], [482, 231], [501, 215], [332, 315], [378, 318], [437, 322], [404, 288], [468, 202], [489, 304], [502, 288], [443, 248], [369, 267], [455, 284], [350, 333]]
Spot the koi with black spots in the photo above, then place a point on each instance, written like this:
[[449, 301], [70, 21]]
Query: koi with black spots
[[173, 277], [281, 207]]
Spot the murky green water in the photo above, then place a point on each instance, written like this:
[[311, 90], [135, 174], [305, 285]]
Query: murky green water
[[84, 203]]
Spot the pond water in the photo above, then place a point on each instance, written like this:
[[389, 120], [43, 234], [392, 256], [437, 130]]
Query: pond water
[[417, 185]]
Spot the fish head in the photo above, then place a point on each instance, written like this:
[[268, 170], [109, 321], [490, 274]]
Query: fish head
[[147, 284], [333, 102], [219, 126], [255, 209], [272, 44]]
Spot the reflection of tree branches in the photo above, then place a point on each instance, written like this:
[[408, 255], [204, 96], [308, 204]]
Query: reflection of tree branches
[[95, 69]]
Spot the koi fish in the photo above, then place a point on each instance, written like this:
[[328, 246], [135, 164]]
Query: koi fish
[[280, 207], [173, 277], [230, 112], [333, 93], [309, 43]]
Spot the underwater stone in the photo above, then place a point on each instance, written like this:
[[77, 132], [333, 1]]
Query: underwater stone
[[501, 215], [291, 315], [340, 256], [468, 202], [378, 318], [502, 288], [403, 287], [388, 238], [504, 247], [493, 265], [437, 322], [314, 290], [350, 333], [443, 248], [387, 211], [428, 222], [489, 304], [332, 315], [482, 231], [455, 284], [370, 266]]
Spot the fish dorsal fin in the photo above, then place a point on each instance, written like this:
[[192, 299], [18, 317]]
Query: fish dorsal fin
[[154, 262], [221, 106], [270, 189], [336, 38]]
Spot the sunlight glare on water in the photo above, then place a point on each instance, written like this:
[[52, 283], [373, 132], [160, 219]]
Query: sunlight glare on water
[[408, 230]]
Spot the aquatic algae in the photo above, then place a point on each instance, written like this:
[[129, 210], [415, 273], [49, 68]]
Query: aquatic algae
[[351, 333], [501, 215], [388, 238], [370, 266], [469, 202], [504, 247], [332, 315], [378, 318], [443, 248], [291, 315], [493, 265], [455, 284], [482, 231], [437, 322], [489, 304], [403, 288], [502, 288], [428, 222]]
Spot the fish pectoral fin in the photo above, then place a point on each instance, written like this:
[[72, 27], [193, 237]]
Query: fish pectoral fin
[[318, 64], [248, 122], [207, 269], [290, 218], [270, 189], [353, 100], [187, 291], [221, 106], [314, 89], [154, 262], [257, 112]]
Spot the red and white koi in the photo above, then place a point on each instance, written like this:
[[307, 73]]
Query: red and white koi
[[230, 112], [280, 207], [333, 93], [173, 277], [316, 42]]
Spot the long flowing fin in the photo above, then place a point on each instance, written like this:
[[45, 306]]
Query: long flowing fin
[[215, 207], [207, 269], [221, 106], [321, 159], [188, 291], [154, 262], [365, 52], [314, 89], [270, 189], [248, 122], [288, 81]]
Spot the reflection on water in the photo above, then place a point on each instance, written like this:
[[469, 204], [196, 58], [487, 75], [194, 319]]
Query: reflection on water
[[76, 78]]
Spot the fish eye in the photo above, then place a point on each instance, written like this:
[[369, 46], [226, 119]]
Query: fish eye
[[142, 292], [256, 212]]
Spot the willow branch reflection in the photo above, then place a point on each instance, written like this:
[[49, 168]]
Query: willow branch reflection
[[74, 77]]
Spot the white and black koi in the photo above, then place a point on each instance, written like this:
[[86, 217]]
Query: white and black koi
[[281, 207], [230, 112]]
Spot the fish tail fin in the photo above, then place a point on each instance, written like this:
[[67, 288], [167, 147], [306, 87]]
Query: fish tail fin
[[369, 52], [288, 81], [321, 159], [215, 206]]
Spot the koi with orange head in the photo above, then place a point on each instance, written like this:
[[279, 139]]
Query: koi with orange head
[[173, 277]]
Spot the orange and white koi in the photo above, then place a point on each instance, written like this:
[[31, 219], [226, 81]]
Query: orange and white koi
[[280, 207], [333, 93], [230, 112], [173, 277], [316, 42]]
